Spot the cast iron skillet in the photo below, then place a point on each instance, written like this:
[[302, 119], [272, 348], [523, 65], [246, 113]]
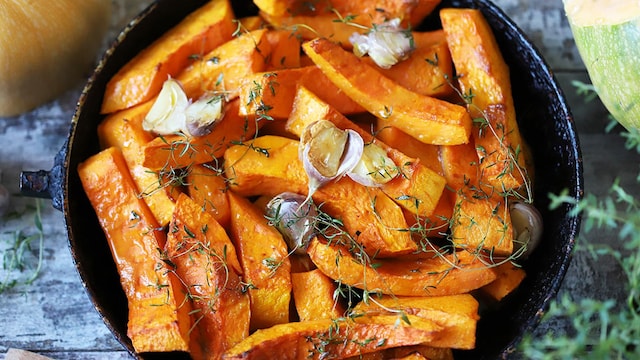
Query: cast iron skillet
[[544, 118]]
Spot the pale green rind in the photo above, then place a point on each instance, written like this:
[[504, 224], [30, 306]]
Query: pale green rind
[[611, 54]]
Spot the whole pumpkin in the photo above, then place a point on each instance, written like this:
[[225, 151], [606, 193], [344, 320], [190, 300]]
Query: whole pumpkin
[[46, 47]]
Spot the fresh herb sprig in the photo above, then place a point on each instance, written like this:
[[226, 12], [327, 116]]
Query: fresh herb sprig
[[22, 254], [601, 329]]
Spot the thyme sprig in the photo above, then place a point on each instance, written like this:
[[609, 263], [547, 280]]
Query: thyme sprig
[[24, 248], [349, 20]]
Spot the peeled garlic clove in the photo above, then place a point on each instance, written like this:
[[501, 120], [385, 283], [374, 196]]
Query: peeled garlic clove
[[167, 114], [328, 152], [294, 218], [386, 44], [360, 43], [527, 228], [202, 115], [375, 168]]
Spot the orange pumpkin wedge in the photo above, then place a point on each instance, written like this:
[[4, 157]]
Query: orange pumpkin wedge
[[426, 275], [207, 266], [266, 267], [483, 73], [320, 339], [157, 321], [428, 119], [142, 77]]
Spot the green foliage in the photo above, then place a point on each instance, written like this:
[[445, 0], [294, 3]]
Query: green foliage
[[599, 329], [21, 258]]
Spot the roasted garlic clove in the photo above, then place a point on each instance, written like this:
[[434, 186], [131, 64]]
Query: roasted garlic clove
[[167, 114], [202, 115], [324, 145], [328, 152], [375, 168], [295, 219], [527, 228], [173, 112], [387, 44]]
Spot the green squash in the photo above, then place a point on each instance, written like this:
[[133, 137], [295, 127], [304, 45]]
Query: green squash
[[607, 34]]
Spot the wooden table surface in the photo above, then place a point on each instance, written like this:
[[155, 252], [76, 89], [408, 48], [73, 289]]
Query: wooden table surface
[[54, 317]]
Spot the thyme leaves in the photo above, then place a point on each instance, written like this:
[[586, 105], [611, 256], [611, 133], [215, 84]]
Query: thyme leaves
[[22, 253]]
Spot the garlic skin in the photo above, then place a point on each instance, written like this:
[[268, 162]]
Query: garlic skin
[[167, 114], [202, 115], [375, 168], [387, 43], [294, 218], [328, 153]]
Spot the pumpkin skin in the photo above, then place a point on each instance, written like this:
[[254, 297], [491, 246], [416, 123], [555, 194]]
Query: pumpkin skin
[[46, 47], [607, 34]]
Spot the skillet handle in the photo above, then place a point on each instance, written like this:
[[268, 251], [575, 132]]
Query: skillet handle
[[46, 184]]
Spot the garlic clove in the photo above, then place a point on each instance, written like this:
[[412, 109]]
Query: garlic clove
[[324, 146], [527, 227], [167, 114], [202, 115], [375, 168], [360, 43], [328, 153], [294, 218], [387, 44]]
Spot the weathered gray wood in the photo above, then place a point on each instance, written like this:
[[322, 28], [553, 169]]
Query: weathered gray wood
[[54, 316], [547, 27]]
